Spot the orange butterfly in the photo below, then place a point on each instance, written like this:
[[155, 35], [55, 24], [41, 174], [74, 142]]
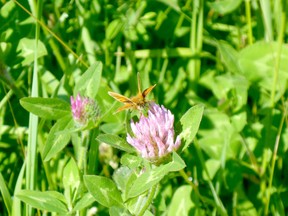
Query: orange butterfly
[[137, 102]]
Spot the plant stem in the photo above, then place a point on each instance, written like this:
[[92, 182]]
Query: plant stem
[[248, 17], [149, 200], [53, 34], [195, 188], [218, 202], [274, 160], [277, 60], [31, 167]]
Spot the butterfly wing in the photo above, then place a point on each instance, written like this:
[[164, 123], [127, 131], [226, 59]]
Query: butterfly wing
[[120, 97], [126, 106], [147, 91]]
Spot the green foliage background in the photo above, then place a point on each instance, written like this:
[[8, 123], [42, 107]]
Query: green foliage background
[[229, 55]]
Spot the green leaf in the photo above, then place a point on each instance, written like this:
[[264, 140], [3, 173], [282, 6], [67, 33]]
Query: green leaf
[[116, 211], [26, 47], [212, 166], [149, 178], [103, 190], [131, 161], [121, 175], [213, 141], [229, 56], [5, 194], [258, 61], [177, 163], [225, 6], [89, 82], [116, 142], [190, 123], [56, 140], [245, 206], [181, 202], [84, 202], [124, 178], [48, 108], [17, 207], [230, 89], [71, 177], [114, 29], [51, 201]]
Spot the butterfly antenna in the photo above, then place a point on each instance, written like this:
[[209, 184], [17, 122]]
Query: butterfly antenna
[[139, 83]]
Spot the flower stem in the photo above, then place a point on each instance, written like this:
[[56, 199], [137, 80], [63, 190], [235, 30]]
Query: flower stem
[[149, 200], [195, 188]]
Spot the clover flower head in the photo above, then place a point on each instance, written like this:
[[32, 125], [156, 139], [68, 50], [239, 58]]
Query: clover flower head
[[153, 135], [84, 109]]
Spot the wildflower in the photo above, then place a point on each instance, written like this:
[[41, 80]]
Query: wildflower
[[84, 110], [154, 135]]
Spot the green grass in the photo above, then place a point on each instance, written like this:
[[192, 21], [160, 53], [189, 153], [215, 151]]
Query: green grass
[[229, 57]]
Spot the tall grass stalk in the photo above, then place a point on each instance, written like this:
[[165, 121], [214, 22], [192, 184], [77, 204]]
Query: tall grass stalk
[[248, 18], [267, 19], [54, 35], [278, 58], [196, 38], [31, 173], [272, 104], [276, 146]]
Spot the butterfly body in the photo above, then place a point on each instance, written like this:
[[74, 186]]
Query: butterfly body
[[137, 102]]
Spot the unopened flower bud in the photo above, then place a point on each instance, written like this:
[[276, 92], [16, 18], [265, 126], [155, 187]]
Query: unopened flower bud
[[84, 110]]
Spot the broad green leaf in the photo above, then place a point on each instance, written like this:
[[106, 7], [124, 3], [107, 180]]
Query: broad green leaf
[[147, 180], [48, 108], [5, 194], [51, 201], [84, 202], [177, 163], [246, 207], [26, 47], [71, 177], [225, 6], [131, 161], [103, 190], [212, 166], [239, 121], [181, 202], [150, 178], [190, 123], [89, 82], [217, 135], [258, 62], [229, 56], [135, 204], [230, 89], [121, 175], [116, 211], [56, 140], [116, 142]]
